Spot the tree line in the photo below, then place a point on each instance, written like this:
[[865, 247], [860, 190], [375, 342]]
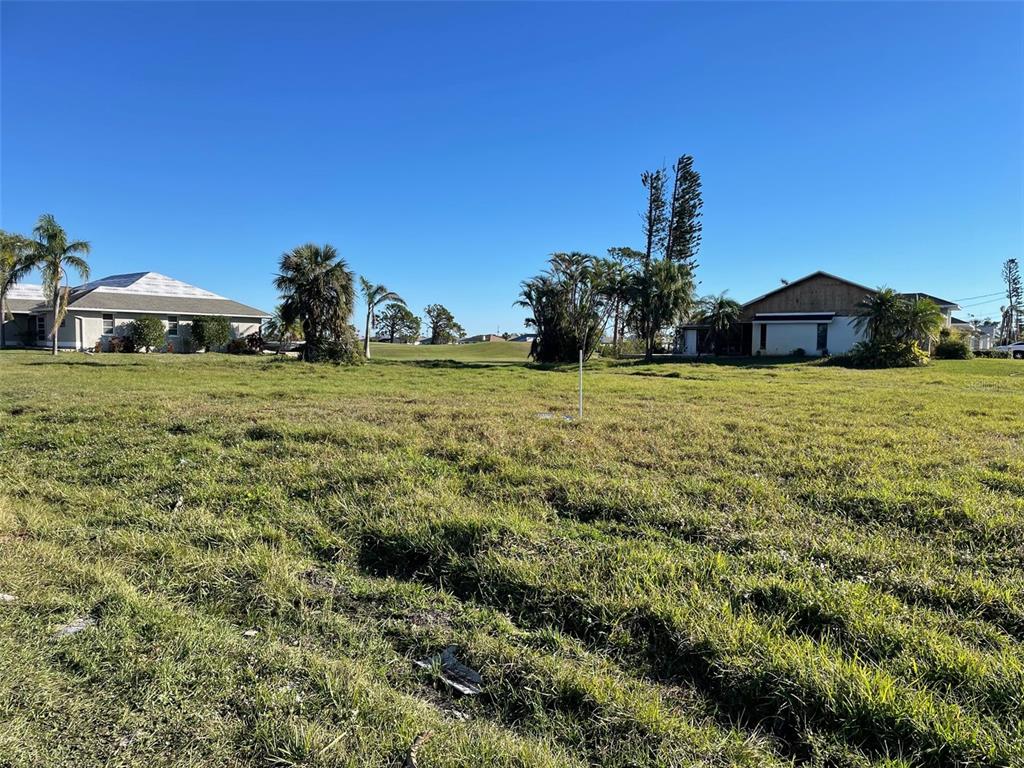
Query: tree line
[[644, 292]]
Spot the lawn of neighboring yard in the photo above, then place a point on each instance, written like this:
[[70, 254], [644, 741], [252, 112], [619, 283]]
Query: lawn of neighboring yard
[[490, 351], [721, 565]]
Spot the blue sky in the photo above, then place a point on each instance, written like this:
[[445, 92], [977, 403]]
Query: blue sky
[[446, 149]]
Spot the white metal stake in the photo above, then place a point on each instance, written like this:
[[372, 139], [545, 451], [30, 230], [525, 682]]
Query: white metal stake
[[581, 383]]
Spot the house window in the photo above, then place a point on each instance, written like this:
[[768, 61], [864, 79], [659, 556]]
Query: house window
[[40, 328], [764, 336], [108, 324], [172, 325], [822, 336]]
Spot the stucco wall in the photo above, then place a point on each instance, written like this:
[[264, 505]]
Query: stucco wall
[[84, 328], [783, 338]]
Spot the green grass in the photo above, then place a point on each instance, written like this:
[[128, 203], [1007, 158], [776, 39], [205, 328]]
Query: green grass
[[484, 351], [739, 564]]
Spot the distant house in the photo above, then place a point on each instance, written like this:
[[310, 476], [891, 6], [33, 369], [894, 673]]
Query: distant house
[[100, 310], [816, 313], [529, 337], [980, 336], [481, 337]]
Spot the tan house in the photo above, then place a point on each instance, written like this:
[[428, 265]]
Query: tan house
[[100, 310]]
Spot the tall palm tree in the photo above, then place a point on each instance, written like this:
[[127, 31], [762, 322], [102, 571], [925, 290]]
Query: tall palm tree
[[316, 290], [14, 265], [720, 314], [374, 295], [54, 254]]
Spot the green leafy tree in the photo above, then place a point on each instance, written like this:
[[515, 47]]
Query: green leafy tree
[[146, 333], [375, 295], [210, 332], [720, 314], [53, 254], [665, 291], [398, 322], [442, 326], [15, 264], [317, 290]]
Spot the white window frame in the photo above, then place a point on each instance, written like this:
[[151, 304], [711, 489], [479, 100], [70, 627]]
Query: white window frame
[[40, 327], [113, 323], [172, 325]]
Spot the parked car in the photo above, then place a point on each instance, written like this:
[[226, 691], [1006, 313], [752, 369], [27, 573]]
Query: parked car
[[1016, 349]]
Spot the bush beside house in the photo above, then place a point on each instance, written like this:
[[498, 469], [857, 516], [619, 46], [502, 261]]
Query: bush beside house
[[210, 332], [146, 333]]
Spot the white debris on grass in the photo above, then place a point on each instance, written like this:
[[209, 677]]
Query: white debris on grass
[[5, 598], [74, 627], [453, 672], [250, 633]]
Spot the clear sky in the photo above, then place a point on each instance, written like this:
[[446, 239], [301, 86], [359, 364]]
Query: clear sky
[[446, 149]]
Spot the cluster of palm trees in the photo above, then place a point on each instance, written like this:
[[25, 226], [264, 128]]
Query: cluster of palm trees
[[53, 253], [572, 303]]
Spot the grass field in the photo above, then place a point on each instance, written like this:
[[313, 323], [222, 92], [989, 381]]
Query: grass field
[[487, 351], [721, 565]]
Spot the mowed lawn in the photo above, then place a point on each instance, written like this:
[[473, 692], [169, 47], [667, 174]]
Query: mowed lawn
[[721, 565]]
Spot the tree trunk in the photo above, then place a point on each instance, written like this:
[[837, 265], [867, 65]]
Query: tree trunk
[[366, 341], [56, 306], [615, 330]]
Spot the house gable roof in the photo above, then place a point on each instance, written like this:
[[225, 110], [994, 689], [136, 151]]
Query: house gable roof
[[804, 279], [145, 292]]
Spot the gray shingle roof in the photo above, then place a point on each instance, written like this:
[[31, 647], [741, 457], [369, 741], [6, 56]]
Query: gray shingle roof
[[181, 305]]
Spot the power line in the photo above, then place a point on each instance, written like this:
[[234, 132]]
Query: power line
[[980, 303], [982, 296]]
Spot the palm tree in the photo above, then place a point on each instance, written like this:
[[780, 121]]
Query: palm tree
[[615, 285], [922, 320], [880, 315], [278, 329], [374, 296], [53, 254], [720, 314], [14, 265], [317, 291]]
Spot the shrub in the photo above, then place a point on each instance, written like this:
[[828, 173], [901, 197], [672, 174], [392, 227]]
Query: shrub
[[343, 350], [238, 347], [952, 348], [876, 354], [798, 352], [146, 333], [122, 344], [1001, 354], [210, 332]]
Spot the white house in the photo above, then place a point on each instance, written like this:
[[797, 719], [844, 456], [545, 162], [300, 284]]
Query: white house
[[815, 314], [100, 310]]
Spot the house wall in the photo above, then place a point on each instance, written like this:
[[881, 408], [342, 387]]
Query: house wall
[[84, 328], [689, 345], [783, 338], [818, 294], [15, 330]]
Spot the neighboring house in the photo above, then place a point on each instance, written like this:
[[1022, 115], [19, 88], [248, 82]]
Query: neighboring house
[[815, 313], [980, 336], [524, 337], [100, 310], [481, 337], [946, 307]]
